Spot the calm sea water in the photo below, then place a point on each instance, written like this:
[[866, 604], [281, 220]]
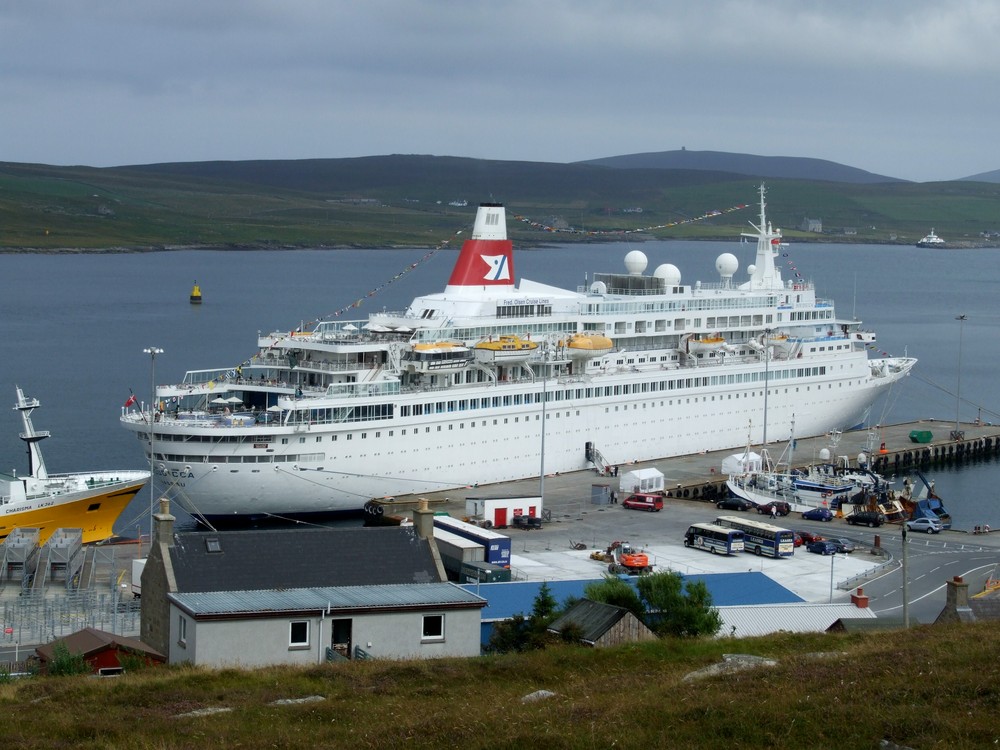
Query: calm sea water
[[75, 327]]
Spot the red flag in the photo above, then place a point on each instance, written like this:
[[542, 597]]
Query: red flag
[[131, 400]]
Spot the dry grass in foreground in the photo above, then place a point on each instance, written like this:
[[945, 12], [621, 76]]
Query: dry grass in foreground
[[928, 687]]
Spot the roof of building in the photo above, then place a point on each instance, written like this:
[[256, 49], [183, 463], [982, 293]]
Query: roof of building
[[855, 625], [727, 589], [300, 558], [593, 619], [335, 599], [749, 621], [91, 641]]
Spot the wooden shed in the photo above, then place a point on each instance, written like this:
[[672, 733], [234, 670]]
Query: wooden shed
[[602, 625]]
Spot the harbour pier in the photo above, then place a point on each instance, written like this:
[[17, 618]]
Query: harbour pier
[[889, 449]]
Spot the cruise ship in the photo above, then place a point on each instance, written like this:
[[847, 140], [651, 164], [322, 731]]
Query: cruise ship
[[490, 381]]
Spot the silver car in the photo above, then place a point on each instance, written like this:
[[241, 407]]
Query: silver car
[[926, 525]]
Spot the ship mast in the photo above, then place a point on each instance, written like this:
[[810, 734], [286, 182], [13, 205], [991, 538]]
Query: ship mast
[[764, 274], [36, 464]]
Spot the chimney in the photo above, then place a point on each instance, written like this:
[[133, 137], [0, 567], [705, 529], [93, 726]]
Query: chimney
[[958, 594], [423, 520], [163, 524], [423, 523], [859, 599]]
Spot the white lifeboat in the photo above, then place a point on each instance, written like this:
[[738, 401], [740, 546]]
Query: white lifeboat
[[584, 346], [712, 343], [505, 349]]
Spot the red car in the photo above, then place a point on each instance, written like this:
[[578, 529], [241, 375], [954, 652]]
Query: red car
[[808, 537]]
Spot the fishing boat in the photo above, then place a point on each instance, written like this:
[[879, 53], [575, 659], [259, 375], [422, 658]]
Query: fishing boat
[[932, 240], [361, 415], [921, 501], [90, 501]]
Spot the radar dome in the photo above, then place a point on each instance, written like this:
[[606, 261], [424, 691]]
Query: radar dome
[[670, 274], [599, 287], [635, 262], [751, 270], [727, 264], [824, 455]]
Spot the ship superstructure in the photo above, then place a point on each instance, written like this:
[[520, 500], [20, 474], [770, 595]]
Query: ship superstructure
[[451, 391]]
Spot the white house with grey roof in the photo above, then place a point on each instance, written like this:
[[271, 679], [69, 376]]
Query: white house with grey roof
[[310, 626], [301, 596]]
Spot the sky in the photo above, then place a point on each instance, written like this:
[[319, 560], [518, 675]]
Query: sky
[[903, 88]]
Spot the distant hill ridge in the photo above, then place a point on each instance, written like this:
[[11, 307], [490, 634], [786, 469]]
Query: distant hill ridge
[[784, 167]]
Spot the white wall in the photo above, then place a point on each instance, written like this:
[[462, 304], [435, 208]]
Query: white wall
[[265, 641]]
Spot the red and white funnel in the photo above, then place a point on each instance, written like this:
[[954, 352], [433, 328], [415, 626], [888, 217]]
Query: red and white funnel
[[487, 259]]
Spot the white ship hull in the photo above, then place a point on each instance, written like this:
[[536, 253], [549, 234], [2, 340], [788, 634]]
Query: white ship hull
[[352, 419]]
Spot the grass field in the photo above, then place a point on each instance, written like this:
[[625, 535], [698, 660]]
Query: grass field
[[927, 687]]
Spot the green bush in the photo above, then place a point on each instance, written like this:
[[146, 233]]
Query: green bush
[[65, 663]]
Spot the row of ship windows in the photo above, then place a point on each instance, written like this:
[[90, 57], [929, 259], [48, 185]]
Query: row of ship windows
[[414, 431], [384, 411], [517, 399]]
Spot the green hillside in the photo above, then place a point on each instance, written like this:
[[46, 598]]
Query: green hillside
[[926, 687], [404, 200]]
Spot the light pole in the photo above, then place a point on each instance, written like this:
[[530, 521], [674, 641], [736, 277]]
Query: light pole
[[152, 351], [906, 580], [832, 558], [957, 434], [767, 352]]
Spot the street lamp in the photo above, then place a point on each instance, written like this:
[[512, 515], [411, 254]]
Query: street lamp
[[767, 351], [152, 351], [957, 434]]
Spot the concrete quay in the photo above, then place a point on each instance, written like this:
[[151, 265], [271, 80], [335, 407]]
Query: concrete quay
[[575, 526], [698, 476]]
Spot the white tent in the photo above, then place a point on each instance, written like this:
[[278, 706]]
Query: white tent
[[641, 480], [741, 463]]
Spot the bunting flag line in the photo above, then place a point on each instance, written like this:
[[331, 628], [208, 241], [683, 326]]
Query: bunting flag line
[[234, 374]]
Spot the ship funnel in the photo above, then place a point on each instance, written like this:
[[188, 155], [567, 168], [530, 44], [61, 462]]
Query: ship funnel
[[487, 258]]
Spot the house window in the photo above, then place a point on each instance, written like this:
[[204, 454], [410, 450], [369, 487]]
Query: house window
[[298, 634], [182, 630], [433, 628]]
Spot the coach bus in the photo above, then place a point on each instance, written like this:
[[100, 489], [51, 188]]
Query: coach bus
[[716, 539], [761, 538]]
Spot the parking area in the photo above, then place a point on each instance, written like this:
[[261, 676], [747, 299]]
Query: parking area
[[575, 528]]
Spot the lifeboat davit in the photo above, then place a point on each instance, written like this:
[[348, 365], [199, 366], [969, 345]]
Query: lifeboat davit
[[583, 346], [505, 349]]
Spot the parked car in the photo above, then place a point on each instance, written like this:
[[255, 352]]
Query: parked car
[[867, 518], [808, 537], [843, 545], [926, 525], [818, 514], [781, 508], [822, 547], [734, 503], [797, 541]]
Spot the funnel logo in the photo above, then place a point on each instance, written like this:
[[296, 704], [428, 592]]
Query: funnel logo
[[499, 269]]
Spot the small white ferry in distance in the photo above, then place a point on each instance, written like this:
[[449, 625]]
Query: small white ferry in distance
[[932, 240], [632, 366]]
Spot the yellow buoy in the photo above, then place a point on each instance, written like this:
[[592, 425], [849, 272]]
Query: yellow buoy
[[196, 294]]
